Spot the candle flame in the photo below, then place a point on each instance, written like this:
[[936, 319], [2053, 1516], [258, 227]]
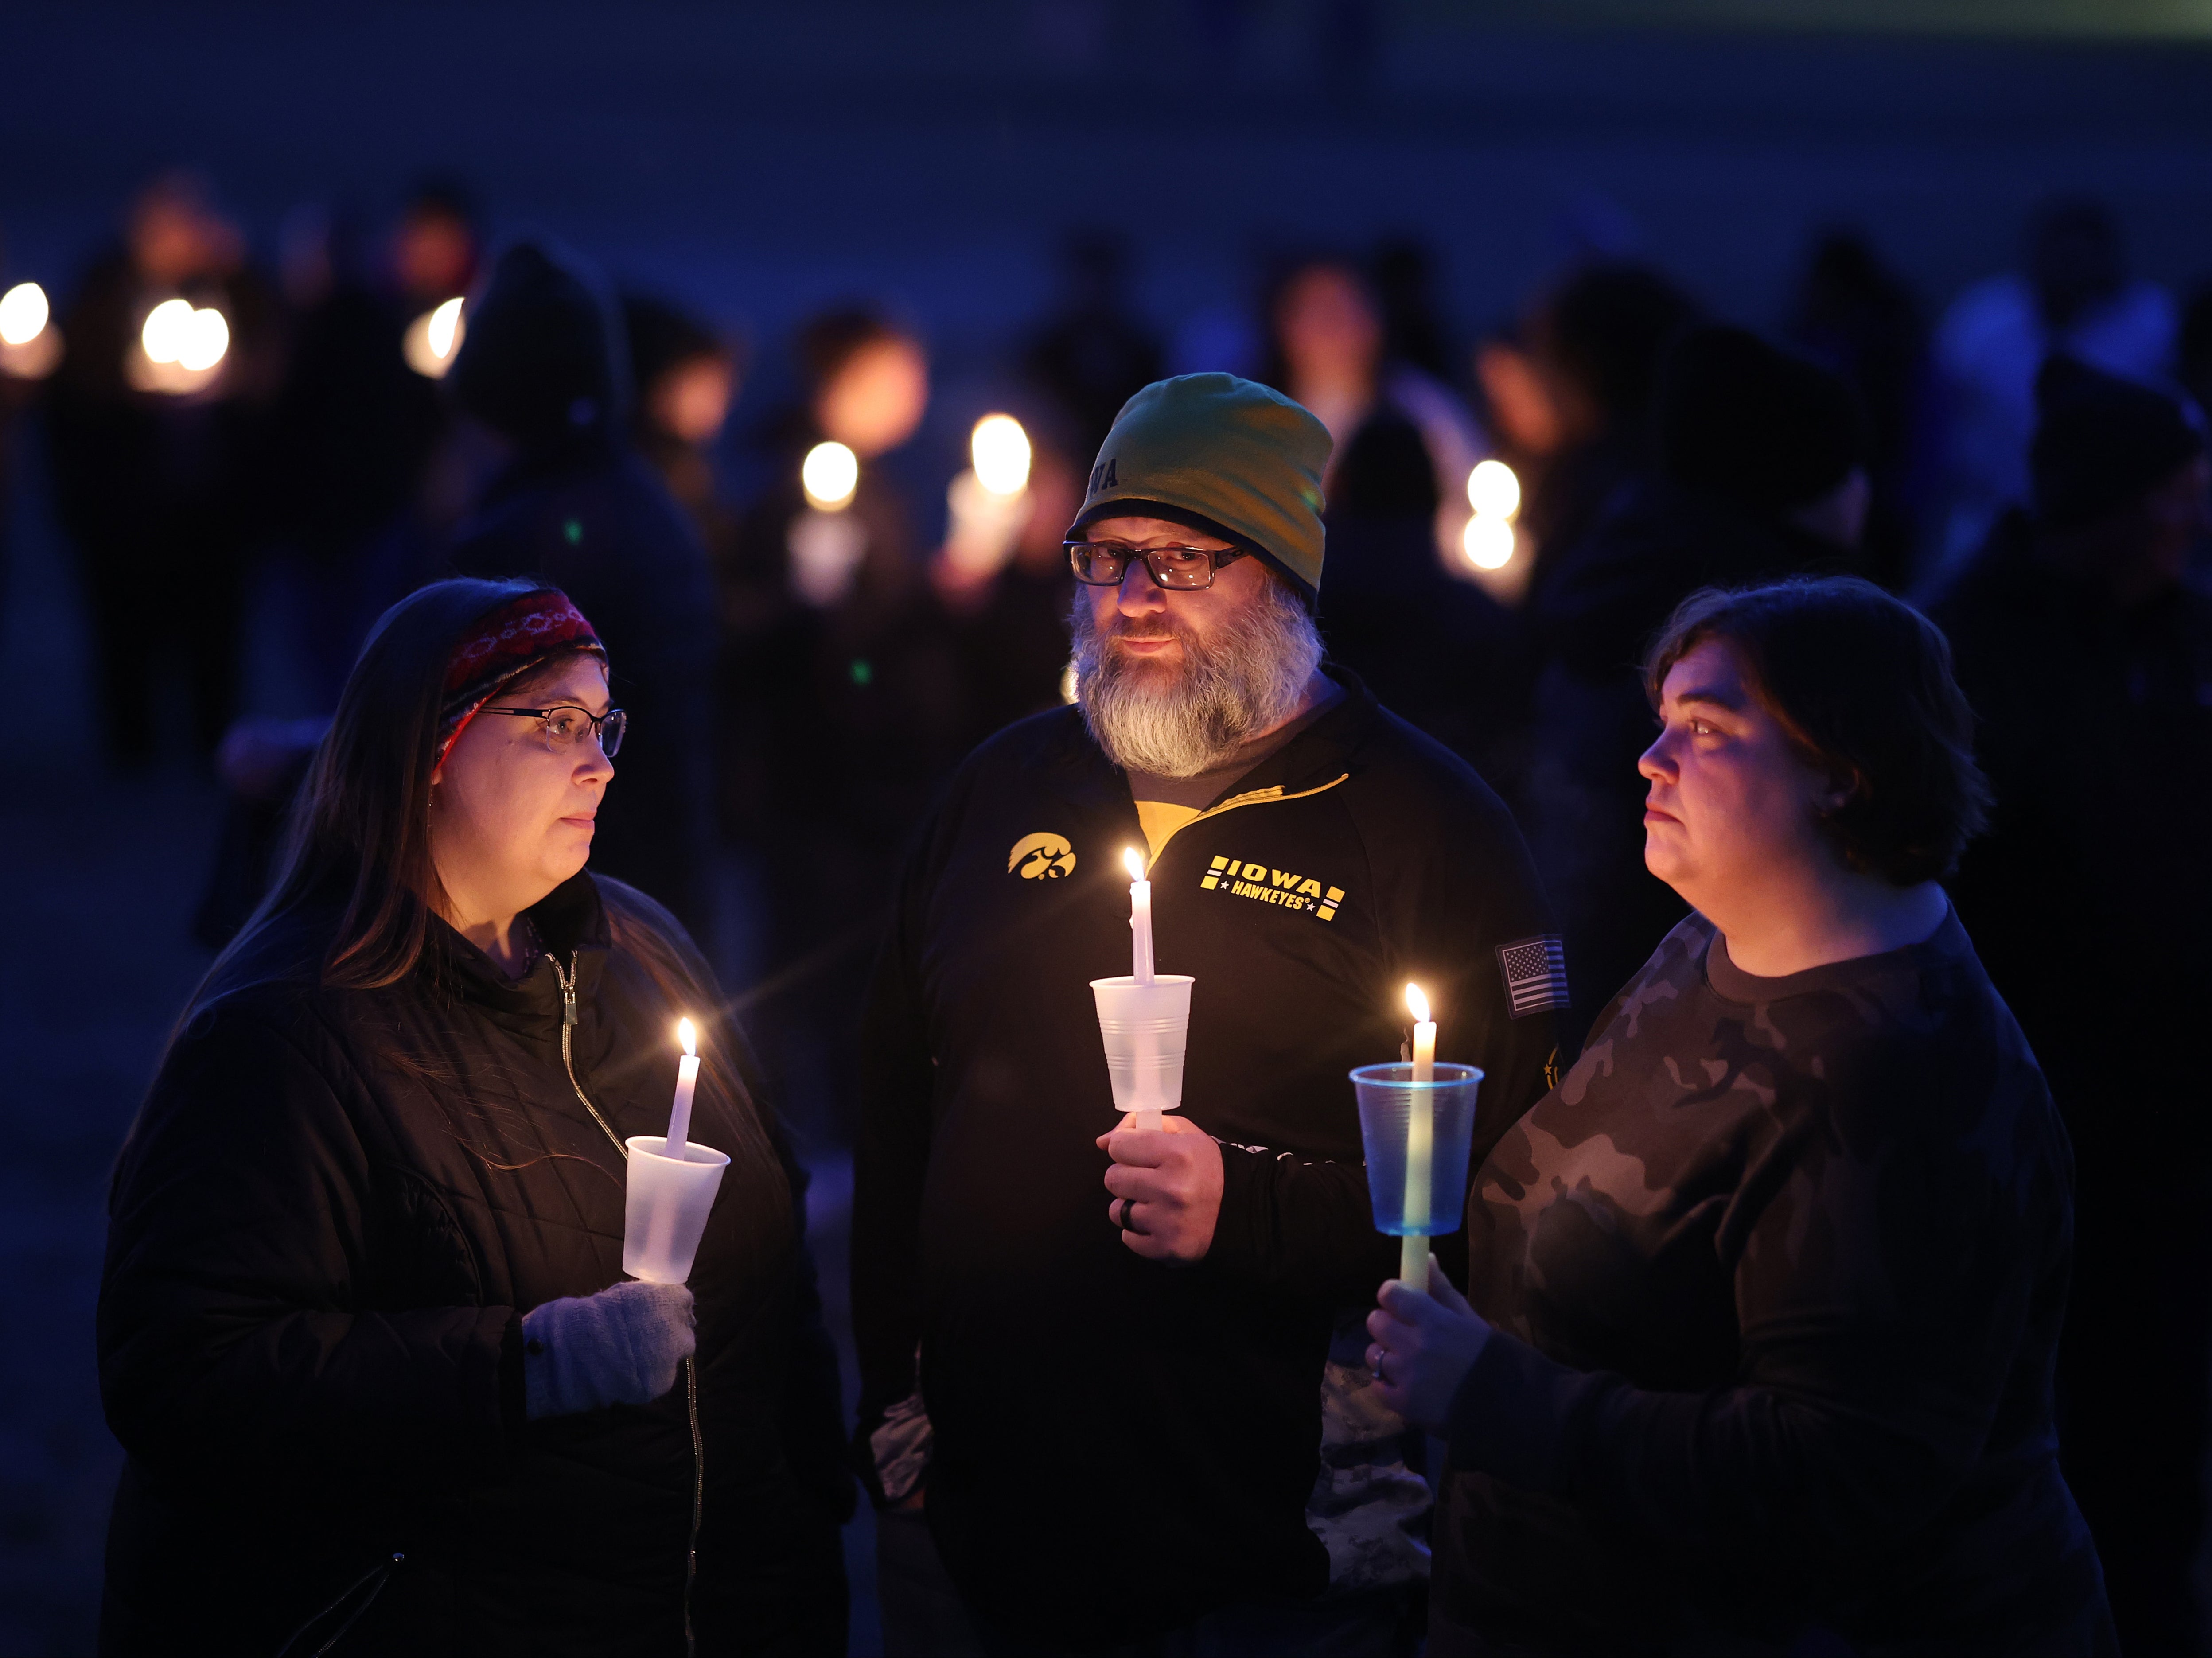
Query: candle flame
[[689, 1036], [1418, 1002], [1133, 862]]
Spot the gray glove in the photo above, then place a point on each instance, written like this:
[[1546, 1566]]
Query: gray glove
[[620, 1347]]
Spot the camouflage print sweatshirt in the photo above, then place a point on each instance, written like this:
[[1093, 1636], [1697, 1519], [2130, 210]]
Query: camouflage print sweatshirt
[[1776, 1275]]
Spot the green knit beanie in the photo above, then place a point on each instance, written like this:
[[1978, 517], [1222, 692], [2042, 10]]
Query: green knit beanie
[[1224, 457]]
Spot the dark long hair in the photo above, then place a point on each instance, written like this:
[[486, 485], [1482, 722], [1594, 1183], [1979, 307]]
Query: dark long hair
[[362, 827], [362, 819]]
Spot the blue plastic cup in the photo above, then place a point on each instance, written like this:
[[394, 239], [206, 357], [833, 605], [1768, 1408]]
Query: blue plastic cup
[[1419, 1136]]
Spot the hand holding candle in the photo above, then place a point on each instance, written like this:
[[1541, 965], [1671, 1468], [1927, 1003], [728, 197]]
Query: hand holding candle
[[1420, 1145], [1144, 1018], [687, 1082]]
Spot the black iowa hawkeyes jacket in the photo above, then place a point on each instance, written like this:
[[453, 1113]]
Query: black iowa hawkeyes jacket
[[1090, 1407]]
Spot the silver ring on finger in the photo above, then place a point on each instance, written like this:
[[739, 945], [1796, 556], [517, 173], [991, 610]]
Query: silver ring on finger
[[1376, 1355]]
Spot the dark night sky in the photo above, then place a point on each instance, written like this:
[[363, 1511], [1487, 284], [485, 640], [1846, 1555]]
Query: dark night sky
[[758, 159]]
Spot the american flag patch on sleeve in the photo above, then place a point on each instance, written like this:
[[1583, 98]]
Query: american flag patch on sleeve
[[1535, 972]]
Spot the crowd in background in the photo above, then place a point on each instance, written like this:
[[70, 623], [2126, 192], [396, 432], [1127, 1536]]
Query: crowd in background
[[814, 607]]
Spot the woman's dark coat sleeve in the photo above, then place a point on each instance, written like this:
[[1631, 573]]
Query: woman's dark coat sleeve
[[231, 1323], [1880, 1301]]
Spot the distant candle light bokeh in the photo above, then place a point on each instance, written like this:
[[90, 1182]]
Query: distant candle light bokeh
[[1494, 494], [829, 475], [23, 314]]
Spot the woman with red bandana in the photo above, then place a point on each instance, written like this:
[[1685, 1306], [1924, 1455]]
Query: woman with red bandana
[[364, 1334]]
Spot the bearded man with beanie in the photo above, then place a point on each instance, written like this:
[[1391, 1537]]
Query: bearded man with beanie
[[2085, 646], [1118, 1373]]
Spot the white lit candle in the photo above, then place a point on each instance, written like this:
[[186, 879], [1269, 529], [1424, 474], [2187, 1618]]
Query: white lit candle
[[687, 1081], [1140, 953], [1420, 1144], [1140, 917]]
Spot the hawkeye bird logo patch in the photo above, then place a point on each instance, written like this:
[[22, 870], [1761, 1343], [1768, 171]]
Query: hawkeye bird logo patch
[[1535, 972], [1041, 858], [1280, 887]]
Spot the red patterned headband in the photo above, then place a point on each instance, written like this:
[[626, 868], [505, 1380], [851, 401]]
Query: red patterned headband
[[503, 644]]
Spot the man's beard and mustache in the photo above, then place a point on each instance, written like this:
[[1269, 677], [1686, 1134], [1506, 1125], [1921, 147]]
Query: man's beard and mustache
[[1241, 677]]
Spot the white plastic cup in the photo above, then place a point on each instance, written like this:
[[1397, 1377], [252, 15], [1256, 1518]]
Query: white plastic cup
[[1146, 1028], [666, 1204]]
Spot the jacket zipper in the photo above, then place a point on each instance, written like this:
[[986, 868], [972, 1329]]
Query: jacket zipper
[[698, 1498], [373, 1580], [568, 982]]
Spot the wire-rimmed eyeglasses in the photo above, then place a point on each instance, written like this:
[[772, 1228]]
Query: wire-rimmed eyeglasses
[[566, 725], [1184, 569]]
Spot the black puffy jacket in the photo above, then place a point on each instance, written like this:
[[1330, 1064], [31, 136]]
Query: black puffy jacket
[[323, 1231]]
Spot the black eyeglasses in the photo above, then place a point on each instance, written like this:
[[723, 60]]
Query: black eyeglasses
[[1103, 563], [567, 725]]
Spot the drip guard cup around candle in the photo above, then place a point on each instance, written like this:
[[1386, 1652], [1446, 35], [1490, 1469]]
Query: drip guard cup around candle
[[666, 1204], [1391, 1104], [1144, 1027]]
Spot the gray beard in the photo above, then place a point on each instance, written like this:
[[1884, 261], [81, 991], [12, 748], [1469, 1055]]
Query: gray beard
[[1246, 678]]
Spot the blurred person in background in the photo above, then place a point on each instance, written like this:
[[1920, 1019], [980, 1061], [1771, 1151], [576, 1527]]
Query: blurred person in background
[[356, 421], [1403, 612], [2072, 294], [865, 388], [435, 262], [1404, 443], [542, 367], [686, 376], [2087, 650], [437, 245], [1010, 624], [1091, 354], [839, 687], [364, 1326], [1759, 474], [159, 460], [1569, 395], [1855, 316], [358, 431], [1402, 273]]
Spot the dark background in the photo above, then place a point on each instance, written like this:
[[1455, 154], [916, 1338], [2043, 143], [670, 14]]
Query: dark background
[[756, 162]]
